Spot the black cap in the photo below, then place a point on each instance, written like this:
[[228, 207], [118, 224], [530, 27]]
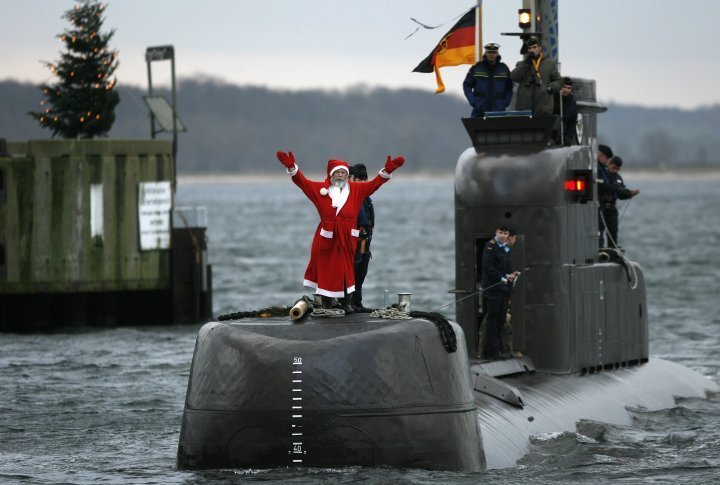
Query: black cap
[[491, 47], [359, 171], [605, 150], [532, 41], [567, 81], [617, 161]]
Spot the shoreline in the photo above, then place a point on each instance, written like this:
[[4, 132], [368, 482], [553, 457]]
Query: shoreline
[[689, 174]]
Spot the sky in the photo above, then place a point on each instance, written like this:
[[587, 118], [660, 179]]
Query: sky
[[643, 52]]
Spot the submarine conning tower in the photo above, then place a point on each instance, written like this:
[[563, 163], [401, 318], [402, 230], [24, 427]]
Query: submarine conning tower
[[575, 309]]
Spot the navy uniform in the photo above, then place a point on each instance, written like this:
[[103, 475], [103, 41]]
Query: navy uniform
[[488, 86], [604, 190], [496, 294], [366, 225], [608, 201], [568, 117]]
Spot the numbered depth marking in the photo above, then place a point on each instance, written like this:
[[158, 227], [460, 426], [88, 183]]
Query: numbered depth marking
[[296, 413]]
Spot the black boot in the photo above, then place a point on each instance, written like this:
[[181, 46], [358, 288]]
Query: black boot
[[326, 302], [347, 305]]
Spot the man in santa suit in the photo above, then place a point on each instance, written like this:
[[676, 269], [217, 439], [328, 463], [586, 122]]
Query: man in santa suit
[[330, 271]]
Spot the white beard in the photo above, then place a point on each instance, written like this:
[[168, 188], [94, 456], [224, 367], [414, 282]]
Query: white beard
[[339, 196]]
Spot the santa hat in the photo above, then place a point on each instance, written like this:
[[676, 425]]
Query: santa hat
[[334, 165]]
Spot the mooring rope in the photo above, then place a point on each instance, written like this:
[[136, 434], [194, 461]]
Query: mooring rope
[[390, 314], [327, 312], [447, 334], [273, 311]]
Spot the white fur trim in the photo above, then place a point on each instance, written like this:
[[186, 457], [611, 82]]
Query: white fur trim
[[384, 174], [331, 294], [310, 284], [339, 167], [327, 234], [293, 171], [355, 232]]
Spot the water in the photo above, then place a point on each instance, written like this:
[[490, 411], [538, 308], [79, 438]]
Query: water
[[81, 406]]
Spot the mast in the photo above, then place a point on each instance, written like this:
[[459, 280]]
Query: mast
[[478, 31]]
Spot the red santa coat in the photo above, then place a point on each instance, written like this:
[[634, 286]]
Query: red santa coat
[[331, 269]]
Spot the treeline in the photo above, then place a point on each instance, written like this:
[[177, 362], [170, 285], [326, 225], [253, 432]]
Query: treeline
[[238, 128]]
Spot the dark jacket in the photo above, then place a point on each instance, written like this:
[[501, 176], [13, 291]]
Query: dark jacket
[[618, 186], [366, 220], [532, 93], [488, 87], [612, 188], [495, 266], [569, 118]]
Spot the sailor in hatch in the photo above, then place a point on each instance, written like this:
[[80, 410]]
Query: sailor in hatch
[[497, 276], [338, 200]]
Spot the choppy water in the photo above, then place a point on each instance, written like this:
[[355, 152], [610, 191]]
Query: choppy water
[[80, 406]]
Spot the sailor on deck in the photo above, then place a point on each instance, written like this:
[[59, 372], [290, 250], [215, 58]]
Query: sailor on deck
[[497, 275], [338, 200]]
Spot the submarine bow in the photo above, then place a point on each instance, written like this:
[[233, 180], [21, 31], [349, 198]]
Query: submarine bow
[[356, 392]]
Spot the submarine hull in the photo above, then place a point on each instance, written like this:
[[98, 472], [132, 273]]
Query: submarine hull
[[563, 403], [353, 391], [361, 391]]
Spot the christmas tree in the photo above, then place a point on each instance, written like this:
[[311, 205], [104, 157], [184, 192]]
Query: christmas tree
[[81, 102]]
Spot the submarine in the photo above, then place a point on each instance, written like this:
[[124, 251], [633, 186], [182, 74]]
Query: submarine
[[408, 389]]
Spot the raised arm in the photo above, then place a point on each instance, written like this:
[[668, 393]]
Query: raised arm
[[307, 186], [391, 164]]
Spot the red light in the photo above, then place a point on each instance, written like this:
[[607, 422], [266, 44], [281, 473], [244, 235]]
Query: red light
[[575, 185]]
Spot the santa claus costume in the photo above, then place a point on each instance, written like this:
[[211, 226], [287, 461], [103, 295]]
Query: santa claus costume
[[330, 271]]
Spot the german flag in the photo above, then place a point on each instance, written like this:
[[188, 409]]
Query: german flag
[[456, 47]]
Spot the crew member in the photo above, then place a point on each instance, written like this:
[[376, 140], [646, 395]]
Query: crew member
[[604, 154], [366, 225], [330, 271], [487, 85], [609, 203], [496, 276], [507, 330], [566, 110], [538, 78]]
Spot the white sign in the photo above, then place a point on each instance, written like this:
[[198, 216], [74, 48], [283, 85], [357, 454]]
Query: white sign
[[154, 205]]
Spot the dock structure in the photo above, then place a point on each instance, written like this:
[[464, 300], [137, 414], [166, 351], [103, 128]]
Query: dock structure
[[87, 237]]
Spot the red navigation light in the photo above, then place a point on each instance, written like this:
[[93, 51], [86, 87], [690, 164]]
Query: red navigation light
[[575, 185], [578, 186]]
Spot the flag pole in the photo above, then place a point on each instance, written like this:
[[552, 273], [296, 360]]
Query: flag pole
[[478, 31]]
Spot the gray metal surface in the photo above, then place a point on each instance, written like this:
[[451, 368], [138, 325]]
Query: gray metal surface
[[328, 392], [555, 403], [570, 313]]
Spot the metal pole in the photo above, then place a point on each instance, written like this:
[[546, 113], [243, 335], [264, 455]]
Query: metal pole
[[478, 31], [150, 92], [174, 107], [562, 121]]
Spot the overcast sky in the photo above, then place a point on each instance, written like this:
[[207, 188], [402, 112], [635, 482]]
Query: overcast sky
[[645, 52]]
